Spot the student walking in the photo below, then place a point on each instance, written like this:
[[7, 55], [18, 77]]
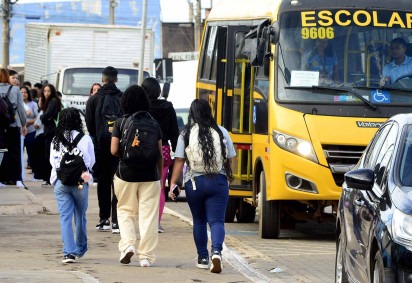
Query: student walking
[[208, 149], [39, 162], [164, 113], [11, 167], [102, 110], [52, 106], [72, 196], [137, 140], [31, 115]]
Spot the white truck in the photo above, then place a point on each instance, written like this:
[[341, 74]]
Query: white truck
[[55, 51]]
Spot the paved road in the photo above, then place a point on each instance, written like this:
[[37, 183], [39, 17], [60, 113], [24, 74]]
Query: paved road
[[305, 254]]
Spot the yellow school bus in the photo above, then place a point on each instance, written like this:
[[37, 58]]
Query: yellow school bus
[[297, 83]]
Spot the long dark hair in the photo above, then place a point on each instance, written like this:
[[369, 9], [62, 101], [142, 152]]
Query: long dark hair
[[69, 120], [53, 94], [134, 99], [201, 114]]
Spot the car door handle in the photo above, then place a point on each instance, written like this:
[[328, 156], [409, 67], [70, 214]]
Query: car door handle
[[359, 202]]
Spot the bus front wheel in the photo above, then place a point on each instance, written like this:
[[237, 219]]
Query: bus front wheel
[[269, 213]]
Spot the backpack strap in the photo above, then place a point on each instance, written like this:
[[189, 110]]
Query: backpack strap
[[8, 91], [77, 139]]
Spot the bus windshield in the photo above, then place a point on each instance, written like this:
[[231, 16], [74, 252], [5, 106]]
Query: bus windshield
[[347, 49], [78, 81]]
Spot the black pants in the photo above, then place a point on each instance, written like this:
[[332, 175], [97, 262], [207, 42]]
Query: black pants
[[107, 164], [48, 138], [38, 162], [29, 144], [10, 169]]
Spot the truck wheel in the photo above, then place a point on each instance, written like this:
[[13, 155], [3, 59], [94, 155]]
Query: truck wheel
[[246, 212], [269, 213], [231, 208]]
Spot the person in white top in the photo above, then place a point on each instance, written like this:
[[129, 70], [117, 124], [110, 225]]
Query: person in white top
[[72, 201]]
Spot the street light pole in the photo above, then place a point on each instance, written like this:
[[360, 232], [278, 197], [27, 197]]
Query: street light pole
[[141, 63]]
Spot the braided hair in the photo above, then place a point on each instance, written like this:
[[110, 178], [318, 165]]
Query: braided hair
[[201, 114], [69, 120]]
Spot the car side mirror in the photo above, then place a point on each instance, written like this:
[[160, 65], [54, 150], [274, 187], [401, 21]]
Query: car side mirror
[[360, 179]]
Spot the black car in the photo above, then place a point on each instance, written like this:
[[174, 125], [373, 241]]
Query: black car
[[374, 219]]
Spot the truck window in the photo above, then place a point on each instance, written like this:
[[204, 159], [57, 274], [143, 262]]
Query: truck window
[[77, 81]]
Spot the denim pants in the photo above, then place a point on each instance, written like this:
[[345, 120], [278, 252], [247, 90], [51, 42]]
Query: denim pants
[[208, 206], [72, 202]]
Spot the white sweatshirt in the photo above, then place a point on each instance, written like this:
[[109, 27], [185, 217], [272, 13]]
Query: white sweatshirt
[[86, 147]]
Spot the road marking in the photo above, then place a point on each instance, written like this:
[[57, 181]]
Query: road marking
[[230, 256]]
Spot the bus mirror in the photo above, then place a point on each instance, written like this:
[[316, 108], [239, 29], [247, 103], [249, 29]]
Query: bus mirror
[[274, 33]]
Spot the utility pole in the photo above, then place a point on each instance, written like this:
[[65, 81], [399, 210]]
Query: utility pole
[[5, 15], [198, 21], [112, 4], [141, 63]]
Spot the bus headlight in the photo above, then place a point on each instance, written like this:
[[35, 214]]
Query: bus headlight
[[295, 145]]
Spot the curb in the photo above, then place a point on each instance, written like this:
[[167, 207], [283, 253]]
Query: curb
[[23, 202]]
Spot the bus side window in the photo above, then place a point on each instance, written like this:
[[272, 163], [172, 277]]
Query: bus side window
[[208, 67], [260, 103]]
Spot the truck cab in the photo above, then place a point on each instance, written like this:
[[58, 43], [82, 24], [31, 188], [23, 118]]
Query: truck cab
[[74, 83]]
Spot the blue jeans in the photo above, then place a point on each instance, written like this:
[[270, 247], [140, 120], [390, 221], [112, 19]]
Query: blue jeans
[[72, 202], [208, 206]]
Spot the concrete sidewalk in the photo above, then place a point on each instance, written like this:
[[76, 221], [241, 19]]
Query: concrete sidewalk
[[31, 246]]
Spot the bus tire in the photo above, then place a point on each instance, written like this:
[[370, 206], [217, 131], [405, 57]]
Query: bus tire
[[269, 213], [231, 208], [246, 212]]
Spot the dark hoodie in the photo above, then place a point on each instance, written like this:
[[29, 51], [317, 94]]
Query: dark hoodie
[[165, 115], [93, 101]]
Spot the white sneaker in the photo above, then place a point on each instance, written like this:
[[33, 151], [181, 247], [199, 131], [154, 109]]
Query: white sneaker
[[35, 180], [160, 229], [19, 184], [145, 263], [127, 254], [216, 264], [2, 185]]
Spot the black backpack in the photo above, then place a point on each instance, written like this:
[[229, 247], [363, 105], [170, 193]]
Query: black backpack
[[72, 164], [107, 112], [10, 109], [139, 140]]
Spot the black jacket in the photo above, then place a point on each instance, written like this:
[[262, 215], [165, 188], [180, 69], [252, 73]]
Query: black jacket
[[165, 115], [49, 116], [93, 101]]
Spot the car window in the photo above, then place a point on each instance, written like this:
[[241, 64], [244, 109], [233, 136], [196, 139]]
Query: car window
[[405, 168], [375, 146], [385, 155]]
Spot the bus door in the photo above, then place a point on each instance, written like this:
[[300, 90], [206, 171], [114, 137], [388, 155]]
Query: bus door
[[238, 103]]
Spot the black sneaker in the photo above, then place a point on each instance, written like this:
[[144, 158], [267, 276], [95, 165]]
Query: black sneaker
[[69, 258], [216, 265], [104, 225], [115, 228], [203, 262]]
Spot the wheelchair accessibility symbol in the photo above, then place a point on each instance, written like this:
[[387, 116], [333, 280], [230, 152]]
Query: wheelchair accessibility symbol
[[380, 96]]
